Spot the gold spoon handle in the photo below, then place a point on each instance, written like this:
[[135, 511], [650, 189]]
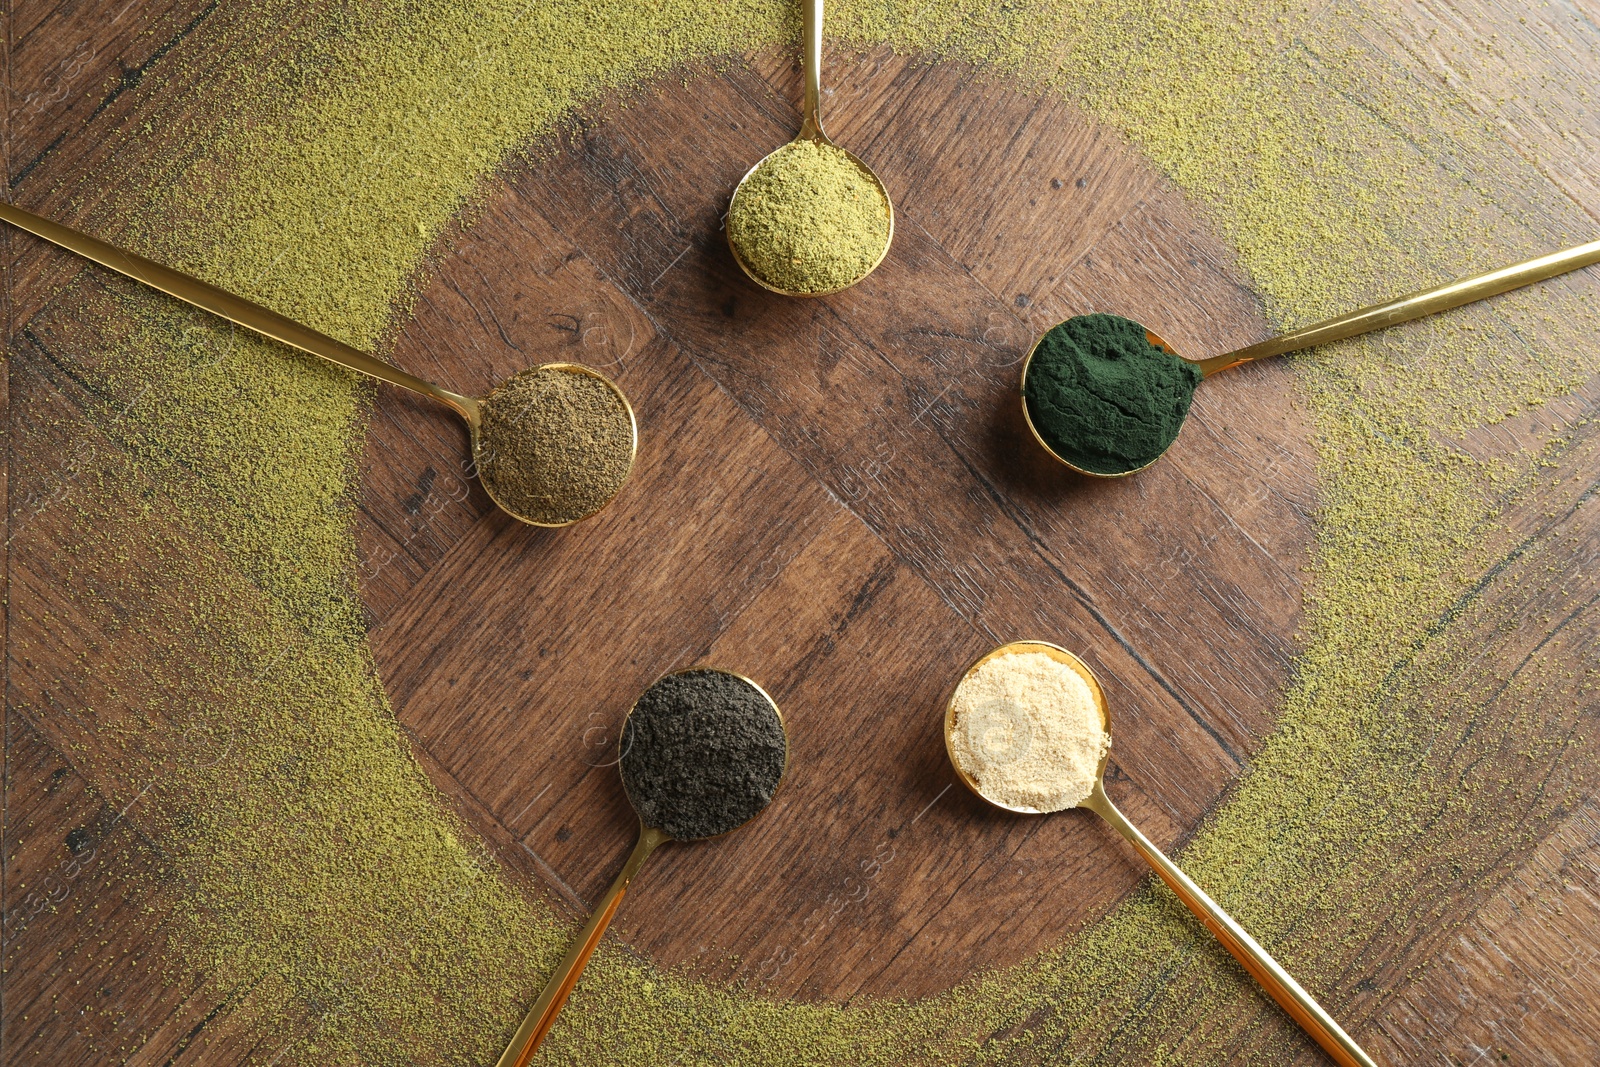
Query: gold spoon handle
[[1412, 306], [543, 1014], [233, 308], [811, 47], [1262, 967]]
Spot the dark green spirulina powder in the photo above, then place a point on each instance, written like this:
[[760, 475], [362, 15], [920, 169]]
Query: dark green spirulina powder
[[1103, 397], [702, 753]]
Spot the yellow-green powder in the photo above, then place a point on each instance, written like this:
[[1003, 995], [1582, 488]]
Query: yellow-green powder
[[809, 219]]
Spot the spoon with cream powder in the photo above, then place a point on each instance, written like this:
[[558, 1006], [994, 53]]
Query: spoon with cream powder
[[810, 219], [1028, 730], [551, 445], [703, 751], [1107, 397]]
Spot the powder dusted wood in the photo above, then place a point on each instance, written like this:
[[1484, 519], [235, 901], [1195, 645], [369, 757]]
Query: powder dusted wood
[[620, 231], [779, 503], [1028, 730]]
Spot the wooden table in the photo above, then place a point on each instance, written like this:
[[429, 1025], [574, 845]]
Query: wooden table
[[837, 498]]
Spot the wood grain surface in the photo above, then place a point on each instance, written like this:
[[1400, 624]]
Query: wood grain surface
[[836, 497]]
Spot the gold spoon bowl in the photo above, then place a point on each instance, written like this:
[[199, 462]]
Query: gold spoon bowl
[[1352, 324], [1289, 994], [271, 324], [811, 130]]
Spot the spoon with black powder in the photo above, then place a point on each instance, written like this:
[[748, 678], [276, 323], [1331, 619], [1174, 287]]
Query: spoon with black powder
[[703, 751], [1107, 397], [551, 445]]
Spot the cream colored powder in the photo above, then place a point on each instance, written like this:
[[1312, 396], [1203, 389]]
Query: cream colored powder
[[1028, 730]]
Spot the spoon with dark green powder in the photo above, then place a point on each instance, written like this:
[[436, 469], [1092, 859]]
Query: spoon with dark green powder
[[1107, 397], [703, 751], [810, 219], [552, 445]]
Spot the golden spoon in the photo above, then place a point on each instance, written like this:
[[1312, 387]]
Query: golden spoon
[[1377, 317], [811, 130], [271, 324], [751, 781], [1273, 978]]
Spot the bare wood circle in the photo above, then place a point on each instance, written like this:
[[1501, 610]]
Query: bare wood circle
[[837, 498]]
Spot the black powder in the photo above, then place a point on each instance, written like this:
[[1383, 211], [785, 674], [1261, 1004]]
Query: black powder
[[702, 753]]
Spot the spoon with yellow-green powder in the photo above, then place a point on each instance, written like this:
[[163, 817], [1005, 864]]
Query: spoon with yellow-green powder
[[551, 445], [1028, 730], [1107, 397], [810, 219]]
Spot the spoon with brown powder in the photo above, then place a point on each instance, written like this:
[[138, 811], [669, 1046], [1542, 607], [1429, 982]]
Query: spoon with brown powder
[[551, 445], [1028, 730]]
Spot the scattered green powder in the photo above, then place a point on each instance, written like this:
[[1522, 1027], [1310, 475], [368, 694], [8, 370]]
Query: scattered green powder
[[809, 219], [1340, 172], [305, 856], [1103, 397], [555, 446]]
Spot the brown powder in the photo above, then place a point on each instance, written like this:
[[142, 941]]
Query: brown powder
[[556, 444]]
